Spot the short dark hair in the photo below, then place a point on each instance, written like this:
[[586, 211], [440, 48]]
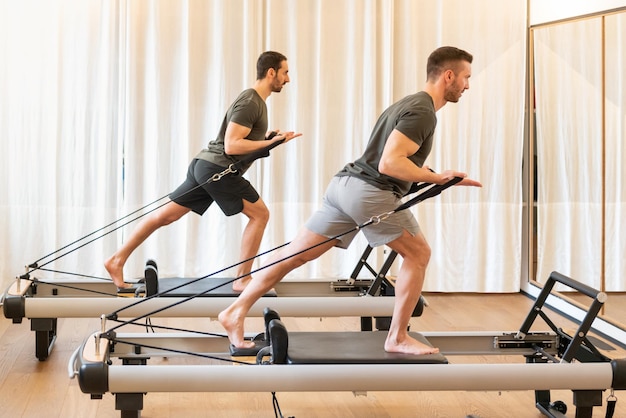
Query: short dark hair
[[444, 58], [267, 60]]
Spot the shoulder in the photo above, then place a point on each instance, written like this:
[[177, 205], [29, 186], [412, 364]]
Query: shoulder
[[416, 117], [418, 106], [246, 96], [418, 102], [249, 99]]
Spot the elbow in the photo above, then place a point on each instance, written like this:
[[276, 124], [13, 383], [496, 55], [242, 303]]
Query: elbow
[[384, 167], [229, 147]]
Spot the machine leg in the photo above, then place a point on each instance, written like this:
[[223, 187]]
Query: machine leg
[[383, 323], [45, 335], [366, 323], [129, 404], [550, 409], [585, 400]]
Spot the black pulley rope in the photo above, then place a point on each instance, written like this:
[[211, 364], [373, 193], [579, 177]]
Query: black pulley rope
[[173, 350], [431, 192]]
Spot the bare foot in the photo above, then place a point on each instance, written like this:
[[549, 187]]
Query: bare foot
[[233, 324], [240, 284], [116, 271], [408, 346]]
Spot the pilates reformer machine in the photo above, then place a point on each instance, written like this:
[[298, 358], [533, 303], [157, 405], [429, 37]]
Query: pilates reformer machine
[[113, 362], [43, 301]]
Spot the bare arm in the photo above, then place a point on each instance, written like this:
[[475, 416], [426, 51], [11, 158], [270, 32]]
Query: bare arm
[[395, 163], [235, 142]]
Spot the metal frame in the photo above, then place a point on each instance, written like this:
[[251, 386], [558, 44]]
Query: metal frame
[[44, 301], [554, 360]]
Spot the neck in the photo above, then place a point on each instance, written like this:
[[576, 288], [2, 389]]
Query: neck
[[262, 88], [435, 91]]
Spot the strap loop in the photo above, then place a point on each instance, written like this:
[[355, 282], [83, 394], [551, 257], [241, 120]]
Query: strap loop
[[218, 176], [378, 218], [611, 400]]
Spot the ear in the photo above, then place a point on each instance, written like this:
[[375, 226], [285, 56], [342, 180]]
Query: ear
[[448, 75], [271, 72]]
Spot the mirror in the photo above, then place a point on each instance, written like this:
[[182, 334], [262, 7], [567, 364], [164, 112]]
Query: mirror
[[579, 147]]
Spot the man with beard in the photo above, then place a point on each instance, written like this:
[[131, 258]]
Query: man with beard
[[243, 131]]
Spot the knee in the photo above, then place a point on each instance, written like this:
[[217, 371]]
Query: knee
[[264, 216], [425, 253], [420, 253], [261, 215]]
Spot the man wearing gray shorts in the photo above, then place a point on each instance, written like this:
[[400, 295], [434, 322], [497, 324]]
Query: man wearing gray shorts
[[373, 185], [242, 133]]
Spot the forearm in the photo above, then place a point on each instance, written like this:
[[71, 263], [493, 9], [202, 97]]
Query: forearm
[[404, 169], [242, 146]]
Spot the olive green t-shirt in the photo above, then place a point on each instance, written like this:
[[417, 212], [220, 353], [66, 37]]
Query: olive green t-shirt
[[415, 117], [248, 110]]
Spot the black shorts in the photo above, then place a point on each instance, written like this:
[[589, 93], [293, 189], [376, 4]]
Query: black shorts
[[197, 194]]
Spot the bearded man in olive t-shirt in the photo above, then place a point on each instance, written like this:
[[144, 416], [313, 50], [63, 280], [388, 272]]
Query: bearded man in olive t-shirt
[[243, 131]]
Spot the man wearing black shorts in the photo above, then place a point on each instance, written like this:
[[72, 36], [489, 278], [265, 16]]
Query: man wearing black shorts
[[243, 132], [372, 185]]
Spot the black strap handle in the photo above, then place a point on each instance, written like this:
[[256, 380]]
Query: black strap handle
[[433, 191]]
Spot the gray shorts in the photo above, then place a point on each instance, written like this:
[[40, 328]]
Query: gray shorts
[[350, 201]]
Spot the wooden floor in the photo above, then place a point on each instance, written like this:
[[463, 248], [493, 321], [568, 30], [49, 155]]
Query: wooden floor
[[30, 388]]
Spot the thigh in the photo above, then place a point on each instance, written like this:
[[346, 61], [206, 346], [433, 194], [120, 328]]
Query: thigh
[[310, 245]]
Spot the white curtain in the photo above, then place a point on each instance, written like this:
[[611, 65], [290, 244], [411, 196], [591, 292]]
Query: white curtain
[[615, 104], [59, 123], [105, 103], [575, 159]]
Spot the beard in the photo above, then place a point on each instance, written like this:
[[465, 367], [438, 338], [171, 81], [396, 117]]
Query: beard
[[452, 95], [276, 88]]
